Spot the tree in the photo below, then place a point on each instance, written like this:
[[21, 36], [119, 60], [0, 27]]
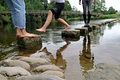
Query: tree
[[67, 6], [3, 5], [99, 6], [45, 3], [111, 10], [34, 5]]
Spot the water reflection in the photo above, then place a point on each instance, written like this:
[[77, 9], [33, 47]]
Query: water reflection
[[110, 25], [54, 47], [7, 35], [59, 60], [86, 57], [97, 34], [29, 52]]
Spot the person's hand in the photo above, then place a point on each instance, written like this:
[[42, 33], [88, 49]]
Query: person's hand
[[80, 3]]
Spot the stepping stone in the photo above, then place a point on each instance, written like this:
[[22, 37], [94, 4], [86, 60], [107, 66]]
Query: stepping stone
[[40, 77], [13, 71], [29, 43], [71, 34]]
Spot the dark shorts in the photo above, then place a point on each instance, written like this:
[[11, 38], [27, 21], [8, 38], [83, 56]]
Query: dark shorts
[[57, 9]]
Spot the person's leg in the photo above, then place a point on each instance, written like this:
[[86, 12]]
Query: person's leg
[[47, 22], [84, 11], [89, 10], [64, 23], [57, 16], [11, 7], [18, 16]]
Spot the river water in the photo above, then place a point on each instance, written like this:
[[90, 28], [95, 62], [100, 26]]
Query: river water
[[76, 57]]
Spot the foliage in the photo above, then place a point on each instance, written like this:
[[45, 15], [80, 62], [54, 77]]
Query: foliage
[[5, 18], [34, 5], [99, 7], [3, 5], [112, 10], [67, 6], [108, 16]]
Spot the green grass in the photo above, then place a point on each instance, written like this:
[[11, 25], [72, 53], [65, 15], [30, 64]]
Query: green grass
[[107, 16]]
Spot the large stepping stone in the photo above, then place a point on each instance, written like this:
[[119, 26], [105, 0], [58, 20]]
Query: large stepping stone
[[43, 68], [34, 62], [57, 73], [72, 35], [16, 63], [30, 43], [83, 31], [2, 77], [13, 71], [40, 77]]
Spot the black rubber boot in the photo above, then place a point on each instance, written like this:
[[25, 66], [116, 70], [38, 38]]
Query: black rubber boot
[[84, 18], [89, 18]]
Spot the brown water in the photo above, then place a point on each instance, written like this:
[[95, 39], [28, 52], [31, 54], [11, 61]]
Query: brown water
[[77, 57]]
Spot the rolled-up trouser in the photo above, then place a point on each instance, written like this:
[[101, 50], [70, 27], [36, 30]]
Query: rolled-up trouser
[[17, 8], [87, 6]]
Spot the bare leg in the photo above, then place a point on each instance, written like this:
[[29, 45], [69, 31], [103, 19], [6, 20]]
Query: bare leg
[[64, 22], [23, 33], [18, 32], [47, 22], [26, 34]]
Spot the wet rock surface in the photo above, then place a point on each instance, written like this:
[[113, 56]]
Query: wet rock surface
[[22, 70], [30, 68]]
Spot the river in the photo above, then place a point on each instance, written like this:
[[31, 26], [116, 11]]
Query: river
[[102, 45]]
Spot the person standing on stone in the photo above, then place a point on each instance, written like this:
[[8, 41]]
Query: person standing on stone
[[56, 11], [18, 11], [87, 11]]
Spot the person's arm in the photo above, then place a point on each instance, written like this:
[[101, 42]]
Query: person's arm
[[79, 2]]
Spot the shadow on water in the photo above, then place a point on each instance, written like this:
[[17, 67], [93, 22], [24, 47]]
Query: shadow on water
[[75, 56]]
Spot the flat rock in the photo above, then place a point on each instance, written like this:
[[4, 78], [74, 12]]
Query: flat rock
[[39, 77], [43, 68], [2, 77], [71, 33], [57, 73], [29, 43], [13, 63], [34, 62], [13, 71]]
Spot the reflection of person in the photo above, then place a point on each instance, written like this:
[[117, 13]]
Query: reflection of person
[[59, 61], [86, 58], [87, 7], [56, 11], [59, 58], [18, 16]]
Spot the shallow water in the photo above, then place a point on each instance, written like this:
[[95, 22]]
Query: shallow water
[[77, 57]]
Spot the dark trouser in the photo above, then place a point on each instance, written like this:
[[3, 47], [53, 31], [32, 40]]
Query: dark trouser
[[87, 10]]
